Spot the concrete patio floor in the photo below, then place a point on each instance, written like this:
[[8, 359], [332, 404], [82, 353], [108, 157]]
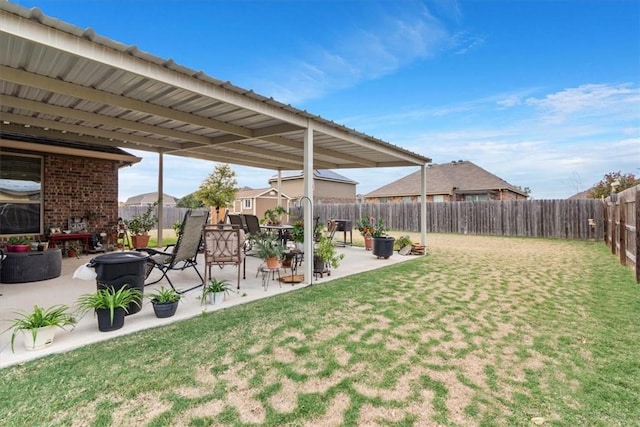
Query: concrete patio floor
[[66, 290]]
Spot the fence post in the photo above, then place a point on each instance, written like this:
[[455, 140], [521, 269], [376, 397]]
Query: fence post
[[637, 224], [622, 228]]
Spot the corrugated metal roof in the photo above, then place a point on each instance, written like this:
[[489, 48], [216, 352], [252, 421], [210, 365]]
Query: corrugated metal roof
[[62, 82]]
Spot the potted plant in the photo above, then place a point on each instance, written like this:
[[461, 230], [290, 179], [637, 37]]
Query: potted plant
[[214, 291], [297, 235], [165, 302], [18, 244], [325, 255], [274, 216], [270, 249], [72, 249], [110, 305], [140, 225], [403, 245], [39, 326], [382, 244], [365, 226]]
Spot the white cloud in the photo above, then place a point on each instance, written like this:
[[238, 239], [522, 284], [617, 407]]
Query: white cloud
[[385, 45], [589, 100]]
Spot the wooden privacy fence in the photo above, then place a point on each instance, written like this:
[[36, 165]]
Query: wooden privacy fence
[[622, 227], [170, 214], [568, 219]]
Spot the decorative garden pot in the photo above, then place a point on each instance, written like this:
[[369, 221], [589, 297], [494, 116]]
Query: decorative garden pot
[[140, 241], [368, 242], [272, 262], [215, 298], [104, 320], [44, 337], [18, 248], [383, 246], [166, 309], [318, 265]]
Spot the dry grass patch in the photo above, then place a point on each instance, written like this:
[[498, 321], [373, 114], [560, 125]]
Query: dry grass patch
[[481, 331]]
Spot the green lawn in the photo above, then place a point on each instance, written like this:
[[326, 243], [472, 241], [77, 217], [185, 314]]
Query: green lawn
[[482, 331]]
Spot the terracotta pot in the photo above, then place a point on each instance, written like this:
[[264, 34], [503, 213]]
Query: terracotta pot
[[272, 262], [368, 243], [140, 241]]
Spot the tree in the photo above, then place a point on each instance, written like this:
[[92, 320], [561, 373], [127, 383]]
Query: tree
[[190, 201], [219, 189], [603, 188]]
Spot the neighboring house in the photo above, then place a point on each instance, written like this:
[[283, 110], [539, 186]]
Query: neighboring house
[[586, 194], [257, 201], [64, 180], [457, 181], [149, 199], [328, 186]]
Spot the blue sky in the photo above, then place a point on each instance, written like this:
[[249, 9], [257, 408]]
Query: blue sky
[[544, 94]]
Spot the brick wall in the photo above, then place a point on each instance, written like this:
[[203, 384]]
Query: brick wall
[[80, 187]]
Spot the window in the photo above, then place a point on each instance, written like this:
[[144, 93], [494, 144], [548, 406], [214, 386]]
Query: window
[[475, 197], [382, 200], [20, 194], [246, 204], [407, 199], [438, 198]]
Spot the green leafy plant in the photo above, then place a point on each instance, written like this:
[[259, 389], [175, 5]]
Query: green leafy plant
[[326, 251], [379, 229], [142, 224], [297, 233], [164, 296], [18, 240], [365, 226], [402, 241], [274, 216], [219, 189], [40, 317], [268, 245], [110, 299], [177, 227], [215, 286]]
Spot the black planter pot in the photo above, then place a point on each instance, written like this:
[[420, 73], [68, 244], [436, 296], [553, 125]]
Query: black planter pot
[[383, 246], [318, 265], [166, 309], [104, 319]]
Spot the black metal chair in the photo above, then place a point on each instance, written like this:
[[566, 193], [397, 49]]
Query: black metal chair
[[184, 252]]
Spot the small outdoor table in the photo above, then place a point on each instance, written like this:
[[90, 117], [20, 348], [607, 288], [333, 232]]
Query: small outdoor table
[[54, 239], [268, 274]]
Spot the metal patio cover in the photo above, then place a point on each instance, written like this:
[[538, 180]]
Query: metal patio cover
[[58, 81]]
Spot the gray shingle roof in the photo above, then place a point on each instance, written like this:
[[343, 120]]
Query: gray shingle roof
[[464, 176], [149, 199]]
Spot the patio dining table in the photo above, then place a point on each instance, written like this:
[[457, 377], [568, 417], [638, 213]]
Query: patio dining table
[[281, 229]]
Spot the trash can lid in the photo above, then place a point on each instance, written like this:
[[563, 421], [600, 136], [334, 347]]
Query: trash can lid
[[119, 258]]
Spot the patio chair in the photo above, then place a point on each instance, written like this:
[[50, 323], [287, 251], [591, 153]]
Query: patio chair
[[183, 254], [237, 219], [224, 244], [253, 224]]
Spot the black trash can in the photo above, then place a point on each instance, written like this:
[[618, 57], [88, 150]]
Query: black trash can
[[118, 269]]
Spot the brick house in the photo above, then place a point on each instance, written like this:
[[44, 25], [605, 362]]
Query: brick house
[[68, 180], [329, 187], [458, 181]]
